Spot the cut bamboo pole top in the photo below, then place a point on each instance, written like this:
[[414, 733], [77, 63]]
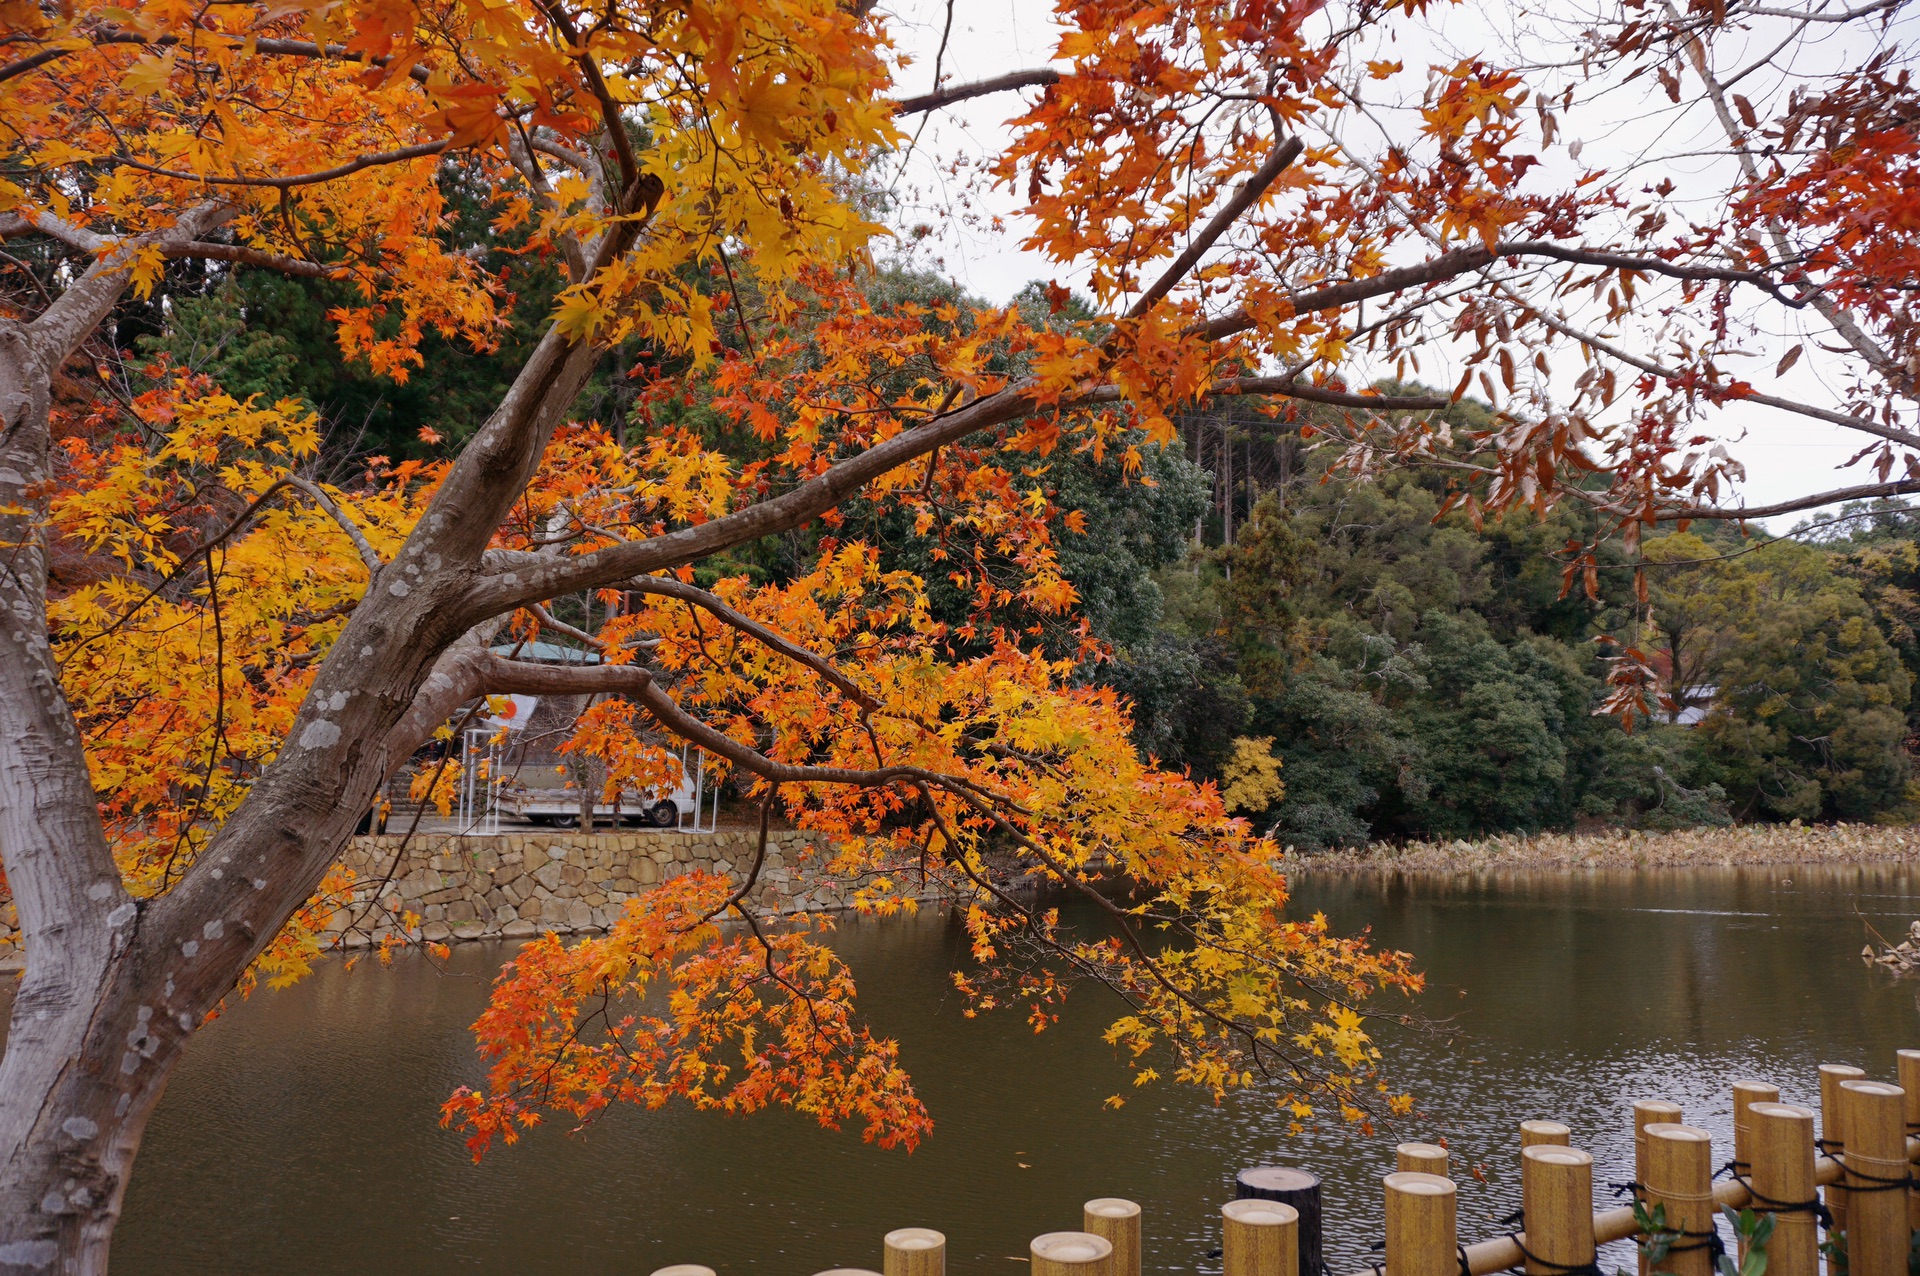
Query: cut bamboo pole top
[[1118, 1221], [1070, 1254], [1535, 1134], [1420, 1158], [1420, 1224], [1781, 1139], [1556, 1197], [914, 1251], [1260, 1238], [1909, 1078], [1745, 1095]]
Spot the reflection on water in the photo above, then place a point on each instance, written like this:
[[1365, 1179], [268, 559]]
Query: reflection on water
[[300, 1133]]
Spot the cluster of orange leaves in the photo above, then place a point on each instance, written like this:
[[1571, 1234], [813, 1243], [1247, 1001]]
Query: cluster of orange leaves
[[729, 1021], [995, 770], [989, 770]]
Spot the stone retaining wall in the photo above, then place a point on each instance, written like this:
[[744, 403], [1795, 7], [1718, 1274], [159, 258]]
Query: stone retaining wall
[[515, 885]]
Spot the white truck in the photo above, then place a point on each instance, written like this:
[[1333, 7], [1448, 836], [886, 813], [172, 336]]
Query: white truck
[[557, 805], [542, 793]]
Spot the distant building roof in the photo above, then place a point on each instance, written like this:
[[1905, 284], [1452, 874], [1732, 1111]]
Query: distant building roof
[[547, 653], [1699, 704]]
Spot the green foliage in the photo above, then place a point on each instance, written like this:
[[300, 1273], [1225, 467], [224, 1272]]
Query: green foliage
[[1657, 1236], [1752, 1231], [1426, 677], [210, 336], [1807, 700]]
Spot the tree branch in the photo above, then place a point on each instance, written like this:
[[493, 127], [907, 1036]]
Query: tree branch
[[500, 676], [1284, 154], [400, 156], [1034, 78], [668, 588], [282, 48], [1288, 387], [1863, 492], [368, 554], [1866, 425], [45, 223], [252, 257]]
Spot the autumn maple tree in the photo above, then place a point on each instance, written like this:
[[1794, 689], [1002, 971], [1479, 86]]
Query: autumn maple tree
[[212, 661]]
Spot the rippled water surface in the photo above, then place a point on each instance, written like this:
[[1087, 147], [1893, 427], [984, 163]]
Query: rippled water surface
[[300, 1133]]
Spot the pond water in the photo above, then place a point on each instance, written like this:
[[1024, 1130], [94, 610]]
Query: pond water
[[300, 1133]]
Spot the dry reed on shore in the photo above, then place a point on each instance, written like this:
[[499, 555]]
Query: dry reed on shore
[[1626, 848]]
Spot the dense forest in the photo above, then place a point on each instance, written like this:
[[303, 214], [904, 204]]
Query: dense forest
[[1349, 663]]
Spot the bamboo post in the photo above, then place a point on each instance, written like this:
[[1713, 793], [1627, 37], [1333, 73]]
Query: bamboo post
[[1745, 1095], [1833, 1133], [1909, 1079], [1648, 1112], [914, 1251], [1293, 1187], [1556, 1197], [1679, 1175], [1260, 1238], [1421, 1236], [1420, 1158], [1118, 1221], [1781, 1136], [1909, 1061], [1877, 1234], [1535, 1134], [1071, 1254]]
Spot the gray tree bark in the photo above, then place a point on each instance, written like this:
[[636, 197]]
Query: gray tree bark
[[114, 987]]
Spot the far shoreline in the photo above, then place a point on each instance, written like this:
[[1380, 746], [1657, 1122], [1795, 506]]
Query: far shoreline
[[1738, 846]]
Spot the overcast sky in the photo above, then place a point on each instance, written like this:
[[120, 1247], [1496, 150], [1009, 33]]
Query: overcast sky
[[1785, 456]]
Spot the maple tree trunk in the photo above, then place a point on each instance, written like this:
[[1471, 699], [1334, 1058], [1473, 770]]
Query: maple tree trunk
[[115, 987], [73, 912]]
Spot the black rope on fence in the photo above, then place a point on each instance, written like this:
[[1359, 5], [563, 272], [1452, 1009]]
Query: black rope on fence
[[1879, 1184], [1768, 1205], [1708, 1240], [1837, 1149], [1518, 1221]]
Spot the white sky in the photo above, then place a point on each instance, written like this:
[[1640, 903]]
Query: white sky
[[1785, 456]]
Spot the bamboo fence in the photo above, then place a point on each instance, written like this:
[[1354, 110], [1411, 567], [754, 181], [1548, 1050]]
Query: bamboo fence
[[1852, 1183]]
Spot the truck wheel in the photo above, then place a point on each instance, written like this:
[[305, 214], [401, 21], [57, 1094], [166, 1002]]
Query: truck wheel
[[566, 821], [664, 814]]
